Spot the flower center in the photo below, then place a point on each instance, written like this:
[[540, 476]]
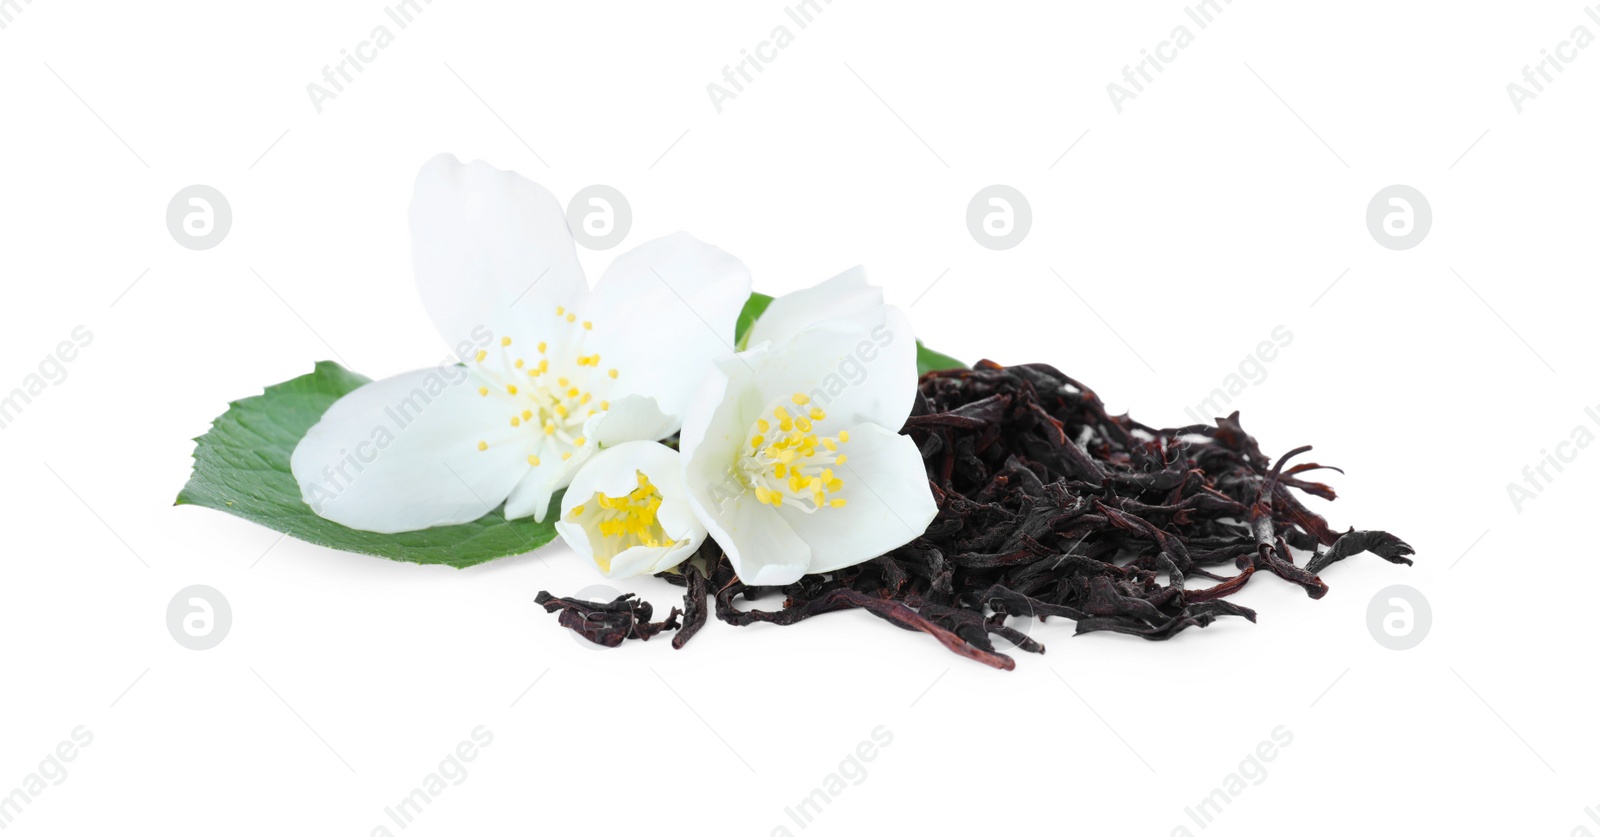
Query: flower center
[[788, 459], [550, 402], [619, 523]]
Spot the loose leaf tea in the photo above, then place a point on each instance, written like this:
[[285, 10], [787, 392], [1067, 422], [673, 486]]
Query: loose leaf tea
[[1048, 506], [608, 623]]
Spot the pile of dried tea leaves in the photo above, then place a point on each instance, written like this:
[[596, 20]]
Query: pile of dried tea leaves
[[1048, 506]]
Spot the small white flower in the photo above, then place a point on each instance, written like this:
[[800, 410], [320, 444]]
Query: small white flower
[[551, 369], [627, 511], [846, 297], [792, 455]]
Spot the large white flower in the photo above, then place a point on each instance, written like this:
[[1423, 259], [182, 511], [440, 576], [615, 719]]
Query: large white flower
[[551, 369], [627, 511], [792, 453]]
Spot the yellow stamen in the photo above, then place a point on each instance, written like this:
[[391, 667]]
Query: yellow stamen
[[534, 461], [483, 446], [505, 341], [800, 399]]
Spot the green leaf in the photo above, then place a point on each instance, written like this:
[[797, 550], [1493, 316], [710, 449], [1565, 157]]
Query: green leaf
[[754, 307], [928, 360], [241, 466]]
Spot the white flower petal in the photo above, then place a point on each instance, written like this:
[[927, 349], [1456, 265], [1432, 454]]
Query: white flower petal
[[614, 473], [402, 454], [762, 547], [492, 254], [648, 560], [662, 312], [888, 502], [857, 375], [844, 297], [631, 418], [531, 496], [714, 429]]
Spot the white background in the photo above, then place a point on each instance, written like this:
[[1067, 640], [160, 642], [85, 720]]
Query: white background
[[1222, 202]]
